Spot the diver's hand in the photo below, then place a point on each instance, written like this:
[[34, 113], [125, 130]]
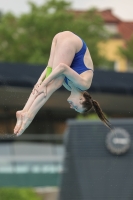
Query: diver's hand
[[35, 88], [41, 89]]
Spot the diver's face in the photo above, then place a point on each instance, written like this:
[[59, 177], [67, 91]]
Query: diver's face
[[76, 103]]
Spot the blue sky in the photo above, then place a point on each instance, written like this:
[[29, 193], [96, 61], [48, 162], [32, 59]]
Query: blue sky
[[121, 8]]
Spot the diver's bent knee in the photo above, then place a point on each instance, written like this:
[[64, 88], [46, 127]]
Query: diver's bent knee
[[56, 37]]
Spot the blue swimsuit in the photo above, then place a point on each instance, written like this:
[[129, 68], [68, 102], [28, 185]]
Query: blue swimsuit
[[78, 62]]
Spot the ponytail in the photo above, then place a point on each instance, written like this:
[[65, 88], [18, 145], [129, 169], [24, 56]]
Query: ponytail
[[100, 113], [89, 103]]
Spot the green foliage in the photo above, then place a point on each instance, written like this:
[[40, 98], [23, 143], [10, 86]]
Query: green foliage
[[28, 38], [127, 51], [18, 194], [92, 116]]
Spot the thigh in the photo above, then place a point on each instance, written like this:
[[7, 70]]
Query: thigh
[[64, 51], [52, 51]]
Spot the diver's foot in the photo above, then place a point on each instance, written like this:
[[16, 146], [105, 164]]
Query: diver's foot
[[19, 121], [26, 121]]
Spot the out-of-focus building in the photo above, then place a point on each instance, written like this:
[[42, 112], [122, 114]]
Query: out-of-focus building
[[121, 31]]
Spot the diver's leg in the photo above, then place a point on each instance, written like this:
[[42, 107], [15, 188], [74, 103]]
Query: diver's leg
[[50, 64], [28, 116], [32, 96], [25, 109]]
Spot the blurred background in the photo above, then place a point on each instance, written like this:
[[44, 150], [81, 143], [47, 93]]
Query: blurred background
[[41, 163]]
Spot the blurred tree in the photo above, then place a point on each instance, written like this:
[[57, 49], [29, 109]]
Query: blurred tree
[[127, 51], [92, 116], [28, 38], [0, 14], [18, 194]]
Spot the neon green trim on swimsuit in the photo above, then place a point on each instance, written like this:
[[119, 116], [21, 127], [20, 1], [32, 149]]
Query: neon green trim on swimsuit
[[48, 71]]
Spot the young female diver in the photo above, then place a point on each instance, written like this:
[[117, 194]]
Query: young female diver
[[72, 67]]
